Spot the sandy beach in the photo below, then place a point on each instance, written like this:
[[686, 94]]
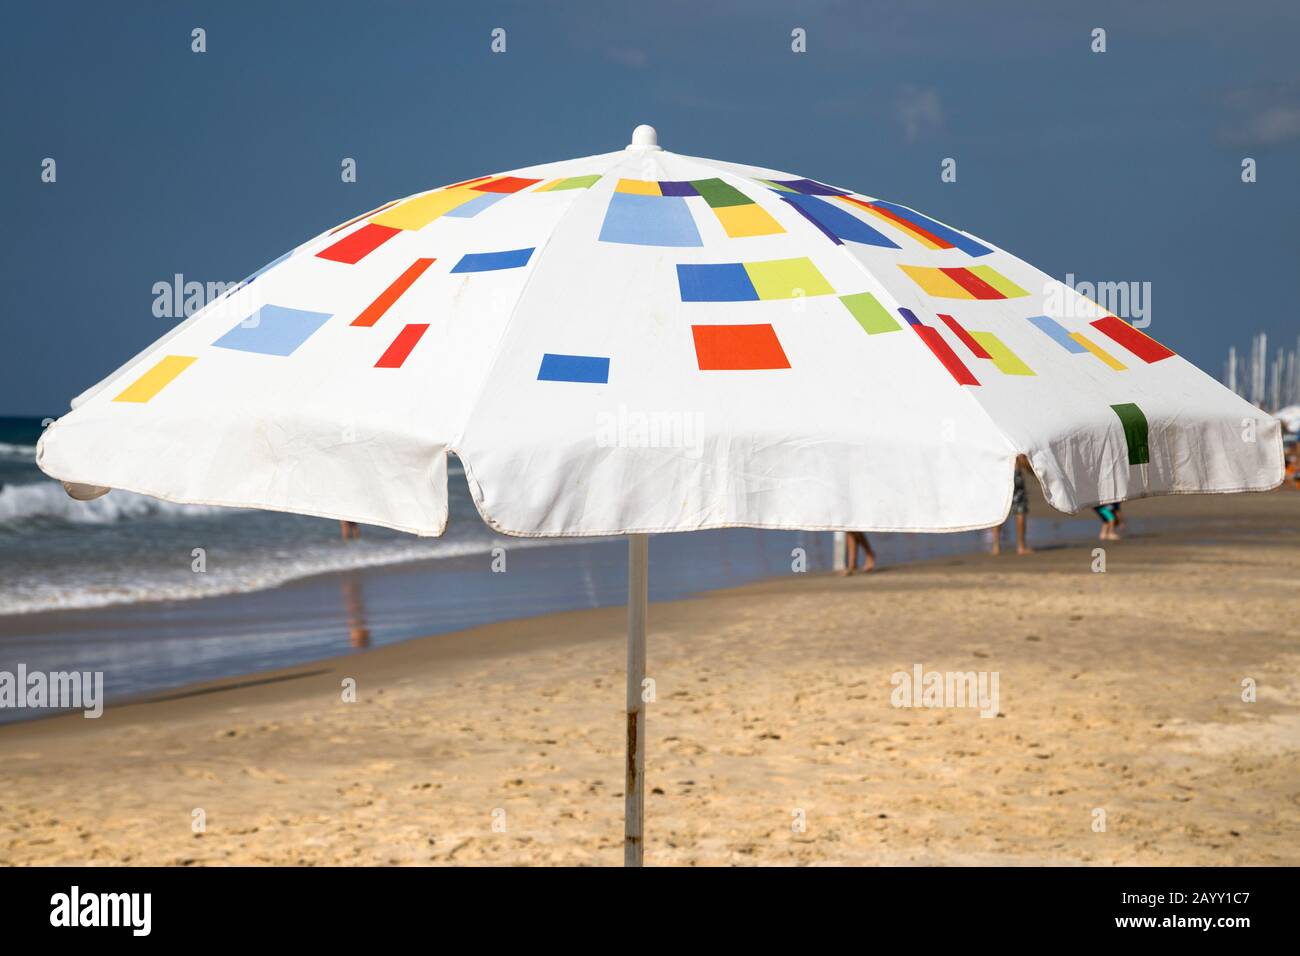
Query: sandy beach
[[1119, 692]]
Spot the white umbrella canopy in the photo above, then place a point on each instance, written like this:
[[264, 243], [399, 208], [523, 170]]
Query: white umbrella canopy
[[642, 341]]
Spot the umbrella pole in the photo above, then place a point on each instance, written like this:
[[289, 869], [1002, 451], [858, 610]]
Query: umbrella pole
[[638, 578]]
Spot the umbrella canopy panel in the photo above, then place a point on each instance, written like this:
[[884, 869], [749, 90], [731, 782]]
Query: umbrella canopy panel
[[642, 341]]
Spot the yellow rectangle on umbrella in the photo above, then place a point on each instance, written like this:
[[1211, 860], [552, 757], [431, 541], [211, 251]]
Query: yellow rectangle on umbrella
[[751, 220], [1098, 351], [1006, 360], [998, 281], [419, 212], [936, 283], [638, 187], [156, 379], [787, 278]]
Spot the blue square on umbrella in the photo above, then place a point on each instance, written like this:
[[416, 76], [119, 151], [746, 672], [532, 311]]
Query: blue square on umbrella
[[273, 330], [592, 369], [715, 282], [649, 221], [492, 261]]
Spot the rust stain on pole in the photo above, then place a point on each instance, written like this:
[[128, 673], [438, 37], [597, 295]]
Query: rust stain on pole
[[634, 793], [631, 749]]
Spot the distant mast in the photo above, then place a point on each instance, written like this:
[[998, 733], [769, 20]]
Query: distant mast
[[1271, 385]]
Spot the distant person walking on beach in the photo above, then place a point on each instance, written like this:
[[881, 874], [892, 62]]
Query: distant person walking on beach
[[351, 530], [1111, 521], [354, 606], [1019, 508], [855, 540]]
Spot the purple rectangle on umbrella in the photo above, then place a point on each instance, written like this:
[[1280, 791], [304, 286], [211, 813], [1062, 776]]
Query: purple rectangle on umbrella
[[675, 188], [649, 221], [910, 316], [273, 330]]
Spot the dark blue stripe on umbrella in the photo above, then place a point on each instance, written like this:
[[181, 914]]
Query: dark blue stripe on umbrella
[[962, 241], [837, 223]]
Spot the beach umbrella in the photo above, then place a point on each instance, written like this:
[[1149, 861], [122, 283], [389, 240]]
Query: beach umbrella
[[640, 342]]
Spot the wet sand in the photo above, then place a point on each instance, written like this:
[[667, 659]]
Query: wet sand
[[1119, 692]]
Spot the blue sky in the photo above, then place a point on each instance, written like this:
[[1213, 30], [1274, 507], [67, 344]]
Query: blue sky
[[1122, 166]]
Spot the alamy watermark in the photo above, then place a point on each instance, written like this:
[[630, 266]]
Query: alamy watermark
[[57, 690], [129, 910], [662, 428], [921, 688], [180, 299], [1127, 300]]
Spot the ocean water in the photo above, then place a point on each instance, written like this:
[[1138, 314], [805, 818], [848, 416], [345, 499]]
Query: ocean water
[[124, 548], [109, 585]]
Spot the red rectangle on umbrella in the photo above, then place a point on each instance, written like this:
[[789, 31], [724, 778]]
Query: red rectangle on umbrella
[[355, 246], [506, 184], [738, 347], [401, 347], [976, 349], [972, 283], [1140, 344], [955, 366], [384, 301]]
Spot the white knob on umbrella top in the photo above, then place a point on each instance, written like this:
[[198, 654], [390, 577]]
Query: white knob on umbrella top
[[644, 137]]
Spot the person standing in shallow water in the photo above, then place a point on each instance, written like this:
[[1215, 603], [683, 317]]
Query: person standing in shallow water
[[855, 540], [1019, 508], [351, 530]]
